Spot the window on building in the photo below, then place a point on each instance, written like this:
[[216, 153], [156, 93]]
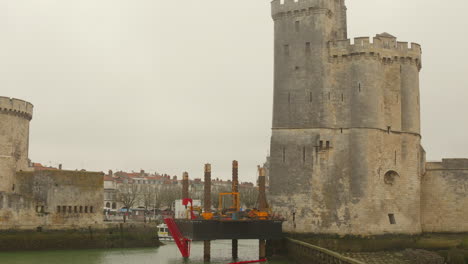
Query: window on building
[[114, 206], [296, 26], [328, 144], [284, 154], [91, 209], [86, 209], [75, 209], [108, 205], [391, 218], [286, 50]]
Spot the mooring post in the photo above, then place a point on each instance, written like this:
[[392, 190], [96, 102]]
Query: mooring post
[[262, 248], [235, 189], [207, 209]]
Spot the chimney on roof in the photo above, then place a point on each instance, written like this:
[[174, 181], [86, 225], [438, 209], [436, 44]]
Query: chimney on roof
[[111, 173]]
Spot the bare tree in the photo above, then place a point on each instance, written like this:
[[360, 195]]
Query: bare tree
[[128, 196], [148, 197], [248, 196], [169, 193]]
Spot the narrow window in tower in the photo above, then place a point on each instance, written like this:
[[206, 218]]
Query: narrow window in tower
[[286, 49], [359, 84], [389, 128], [296, 26], [341, 130], [328, 144], [391, 218], [310, 97], [342, 97], [307, 48], [284, 154], [303, 154], [321, 144]]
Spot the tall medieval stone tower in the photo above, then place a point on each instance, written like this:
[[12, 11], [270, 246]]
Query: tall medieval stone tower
[[345, 147], [15, 116]]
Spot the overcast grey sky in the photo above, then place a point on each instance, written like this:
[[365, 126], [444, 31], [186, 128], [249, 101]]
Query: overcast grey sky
[[170, 85]]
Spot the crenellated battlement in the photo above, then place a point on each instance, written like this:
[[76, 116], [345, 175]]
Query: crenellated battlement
[[281, 8], [384, 47], [16, 107]]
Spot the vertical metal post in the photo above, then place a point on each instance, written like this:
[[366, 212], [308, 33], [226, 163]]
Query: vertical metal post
[[235, 189], [235, 249], [206, 250], [185, 186], [262, 201], [207, 209], [262, 248]]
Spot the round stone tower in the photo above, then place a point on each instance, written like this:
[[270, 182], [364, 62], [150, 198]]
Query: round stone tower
[[15, 116], [345, 146]]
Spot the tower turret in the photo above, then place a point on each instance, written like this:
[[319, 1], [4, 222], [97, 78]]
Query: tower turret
[[345, 145], [15, 116]]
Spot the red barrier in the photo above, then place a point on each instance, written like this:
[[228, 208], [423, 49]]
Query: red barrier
[[182, 243]]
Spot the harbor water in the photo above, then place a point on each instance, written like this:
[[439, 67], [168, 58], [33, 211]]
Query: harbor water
[[167, 254]]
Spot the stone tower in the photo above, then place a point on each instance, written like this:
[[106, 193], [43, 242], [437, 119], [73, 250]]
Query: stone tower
[[15, 116], [345, 146]]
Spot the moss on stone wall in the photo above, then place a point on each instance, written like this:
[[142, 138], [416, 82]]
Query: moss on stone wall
[[114, 236]]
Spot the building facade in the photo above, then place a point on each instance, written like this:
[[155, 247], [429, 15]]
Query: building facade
[[36, 197], [346, 155]]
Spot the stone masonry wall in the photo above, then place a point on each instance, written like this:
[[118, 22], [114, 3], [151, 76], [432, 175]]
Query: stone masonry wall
[[345, 147], [53, 199], [15, 116], [444, 201]]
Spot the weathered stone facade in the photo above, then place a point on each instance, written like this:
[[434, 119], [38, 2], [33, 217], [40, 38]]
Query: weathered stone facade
[[444, 200], [15, 115], [53, 199], [346, 155]]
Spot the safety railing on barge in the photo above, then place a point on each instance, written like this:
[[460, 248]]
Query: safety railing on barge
[[303, 252]]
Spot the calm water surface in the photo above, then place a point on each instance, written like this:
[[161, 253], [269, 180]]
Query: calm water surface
[[168, 254]]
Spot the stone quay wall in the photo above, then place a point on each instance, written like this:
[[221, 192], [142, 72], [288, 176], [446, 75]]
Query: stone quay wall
[[304, 253]]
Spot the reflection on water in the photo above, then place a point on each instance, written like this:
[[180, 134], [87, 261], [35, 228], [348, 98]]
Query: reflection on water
[[168, 254]]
